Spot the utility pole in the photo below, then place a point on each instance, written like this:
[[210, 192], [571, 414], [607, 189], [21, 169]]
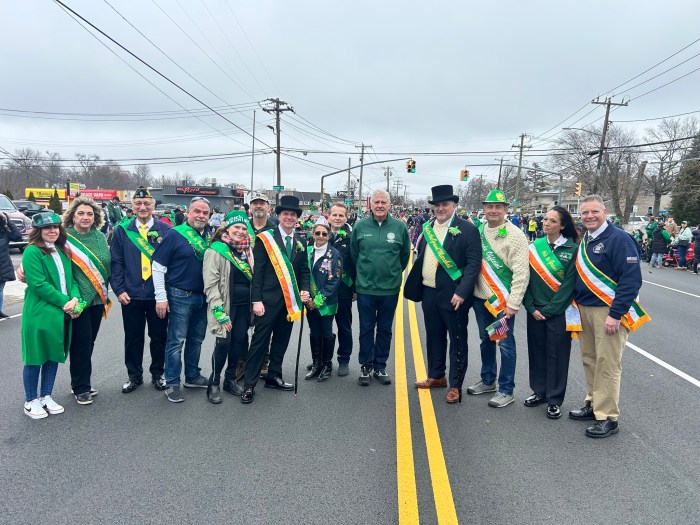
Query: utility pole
[[252, 161], [387, 179], [608, 102], [347, 195], [520, 163], [500, 169], [362, 162], [277, 109]]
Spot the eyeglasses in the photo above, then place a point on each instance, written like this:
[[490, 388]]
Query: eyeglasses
[[321, 234], [197, 199]]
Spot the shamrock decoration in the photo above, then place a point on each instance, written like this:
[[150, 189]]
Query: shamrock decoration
[[454, 231], [502, 232], [299, 247], [152, 234], [342, 233]]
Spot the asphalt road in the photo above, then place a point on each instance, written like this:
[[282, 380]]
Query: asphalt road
[[330, 454]]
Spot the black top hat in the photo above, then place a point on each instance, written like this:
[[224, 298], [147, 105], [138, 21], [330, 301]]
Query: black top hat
[[290, 203], [443, 193]]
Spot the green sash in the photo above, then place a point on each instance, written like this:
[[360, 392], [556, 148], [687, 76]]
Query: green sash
[[323, 308], [223, 249], [496, 274], [190, 234], [551, 261], [347, 280], [139, 241], [440, 254]]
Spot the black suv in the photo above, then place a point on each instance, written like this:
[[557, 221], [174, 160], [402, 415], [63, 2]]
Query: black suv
[[29, 208], [23, 223]]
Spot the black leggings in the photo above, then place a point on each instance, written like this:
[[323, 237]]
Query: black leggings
[[232, 346]]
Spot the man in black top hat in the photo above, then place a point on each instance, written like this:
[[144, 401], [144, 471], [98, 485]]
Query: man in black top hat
[[274, 296], [443, 278]]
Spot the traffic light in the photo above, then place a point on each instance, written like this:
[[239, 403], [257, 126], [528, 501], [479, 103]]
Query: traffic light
[[464, 175], [410, 166], [578, 189], [413, 166]]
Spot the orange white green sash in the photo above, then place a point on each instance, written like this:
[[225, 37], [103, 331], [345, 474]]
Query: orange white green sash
[[551, 271], [92, 267], [285, 275], [604, 288], [497, 275]]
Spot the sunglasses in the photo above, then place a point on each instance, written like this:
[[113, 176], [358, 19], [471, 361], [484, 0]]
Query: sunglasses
[[197, 199], [321, 234]]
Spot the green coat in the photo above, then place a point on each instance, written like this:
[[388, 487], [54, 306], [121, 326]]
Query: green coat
[[43, 337]]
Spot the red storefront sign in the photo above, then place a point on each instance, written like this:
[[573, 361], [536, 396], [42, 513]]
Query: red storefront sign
[[99, 195], [196, 190]]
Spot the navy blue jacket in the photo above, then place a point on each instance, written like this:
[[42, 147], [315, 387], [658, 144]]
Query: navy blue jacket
[[126, 262], [327, 272], [342, 244], [615, 254]]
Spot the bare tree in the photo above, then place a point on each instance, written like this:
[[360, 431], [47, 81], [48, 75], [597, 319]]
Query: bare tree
[[141, 176], [662, 181]]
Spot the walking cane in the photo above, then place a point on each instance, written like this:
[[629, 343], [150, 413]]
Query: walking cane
[[458, 339], [296, 367]]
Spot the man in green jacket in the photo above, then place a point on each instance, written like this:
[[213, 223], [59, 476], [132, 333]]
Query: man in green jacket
[[380, 248]]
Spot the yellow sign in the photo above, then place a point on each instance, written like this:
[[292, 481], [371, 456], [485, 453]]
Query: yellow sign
[[44, 193], [74, 188]]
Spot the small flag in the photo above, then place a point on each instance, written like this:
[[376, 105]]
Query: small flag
[[498, 329]]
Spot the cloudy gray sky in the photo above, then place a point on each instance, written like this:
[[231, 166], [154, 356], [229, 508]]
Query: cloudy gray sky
[[409, 76]]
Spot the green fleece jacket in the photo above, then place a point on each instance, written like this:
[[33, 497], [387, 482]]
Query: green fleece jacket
[[380, 253], [539, 296]]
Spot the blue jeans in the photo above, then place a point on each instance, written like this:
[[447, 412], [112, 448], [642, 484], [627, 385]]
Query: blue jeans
[[187, 323], [656, 259], [506, 379], [2, 287], [376, 312], [682, 250], [30, 378]]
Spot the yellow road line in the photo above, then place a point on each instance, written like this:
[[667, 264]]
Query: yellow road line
[[442, 491], [405, 468]]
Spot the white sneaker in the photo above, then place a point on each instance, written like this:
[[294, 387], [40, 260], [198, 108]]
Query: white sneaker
[[51, 406], [34, 409]]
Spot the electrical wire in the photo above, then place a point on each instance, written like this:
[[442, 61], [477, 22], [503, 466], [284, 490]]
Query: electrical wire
[[660, 118]]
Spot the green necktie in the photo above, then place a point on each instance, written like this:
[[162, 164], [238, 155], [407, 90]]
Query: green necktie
[[288, 246]]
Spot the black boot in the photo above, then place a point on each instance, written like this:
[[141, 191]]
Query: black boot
[[328, 347], [316, 343], [214, 394]]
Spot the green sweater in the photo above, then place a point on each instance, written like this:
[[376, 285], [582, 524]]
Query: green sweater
[[539, 296], [380, 254], [96, 242]]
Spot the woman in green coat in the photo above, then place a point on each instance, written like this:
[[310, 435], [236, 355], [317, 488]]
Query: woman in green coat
[[50, 301]]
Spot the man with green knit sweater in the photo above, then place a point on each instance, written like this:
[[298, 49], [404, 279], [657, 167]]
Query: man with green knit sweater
[[380, 248]]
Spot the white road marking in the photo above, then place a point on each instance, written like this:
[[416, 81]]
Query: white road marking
[[673, 289], [668, 367]]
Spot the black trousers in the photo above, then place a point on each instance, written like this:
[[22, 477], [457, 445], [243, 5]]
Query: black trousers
[[136, 316], [343, 320], [549, 350], [319, 325], [439, 322], [272, 331], [85, 328], [230, 348]]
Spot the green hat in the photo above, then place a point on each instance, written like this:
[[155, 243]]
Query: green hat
[[42, 220], [142, 193], [236, 217], [496, 197]]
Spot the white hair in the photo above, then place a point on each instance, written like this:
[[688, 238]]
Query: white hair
[[381, 192]]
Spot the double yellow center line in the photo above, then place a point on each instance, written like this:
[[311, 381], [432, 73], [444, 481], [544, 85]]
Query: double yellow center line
[[405, 465]]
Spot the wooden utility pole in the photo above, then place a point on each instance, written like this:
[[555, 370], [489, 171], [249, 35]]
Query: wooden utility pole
[[362, 162], [277, 109], [607, 102], [347, 194], [520, 163], [500, 169], [252, 162]]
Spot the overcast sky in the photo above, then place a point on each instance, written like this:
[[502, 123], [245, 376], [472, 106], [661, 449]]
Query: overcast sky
[[405, 76]]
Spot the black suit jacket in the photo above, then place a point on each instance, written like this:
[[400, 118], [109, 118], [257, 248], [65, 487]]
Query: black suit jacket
[[465, 250], [266, 287]]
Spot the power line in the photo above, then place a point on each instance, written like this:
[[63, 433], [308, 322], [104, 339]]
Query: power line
[[658, 75], [666, 84], [660, 118]]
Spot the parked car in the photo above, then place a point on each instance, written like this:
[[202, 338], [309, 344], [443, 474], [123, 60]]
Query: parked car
[[29, 208], [23, 223]]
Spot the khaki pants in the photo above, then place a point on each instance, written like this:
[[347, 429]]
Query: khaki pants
[[602, 361]]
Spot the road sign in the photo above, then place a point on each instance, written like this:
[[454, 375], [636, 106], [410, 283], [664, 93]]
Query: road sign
[[516, 201], [278, 188], [348, 201]]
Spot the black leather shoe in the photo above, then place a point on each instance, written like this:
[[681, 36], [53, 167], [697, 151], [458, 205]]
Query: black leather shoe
[[248, 395], [534, 400], [278, 384], [214, 394], [325, 374], [602, 429], [131, 385], [583, 414], [232, 387], [159, 383]]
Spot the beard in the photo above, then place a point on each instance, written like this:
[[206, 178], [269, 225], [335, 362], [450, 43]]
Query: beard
[[259, 214]]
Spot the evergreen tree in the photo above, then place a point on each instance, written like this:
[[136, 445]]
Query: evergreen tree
[[8, 194], [685, 201], [55, 203], [31, 196]]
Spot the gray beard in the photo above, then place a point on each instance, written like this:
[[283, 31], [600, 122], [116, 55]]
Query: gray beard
[[258, 214]]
